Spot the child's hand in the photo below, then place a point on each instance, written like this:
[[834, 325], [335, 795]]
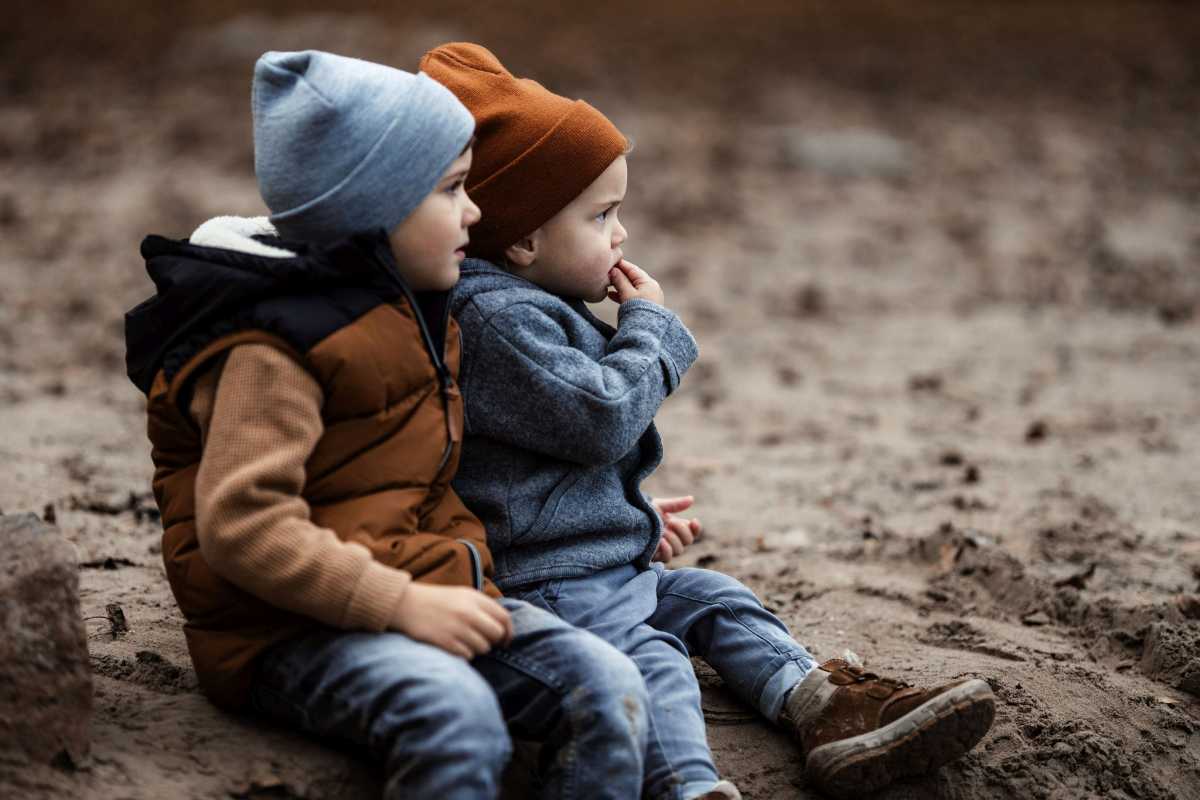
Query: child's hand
[[460, 620], [631, 282], [678, 533]]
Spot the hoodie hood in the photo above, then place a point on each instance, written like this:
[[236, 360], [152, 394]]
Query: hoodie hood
[[478, 276], [228, 265]]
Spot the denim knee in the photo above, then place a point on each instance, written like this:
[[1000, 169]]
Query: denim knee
[[458, 714], [608, 690], [709, 585]]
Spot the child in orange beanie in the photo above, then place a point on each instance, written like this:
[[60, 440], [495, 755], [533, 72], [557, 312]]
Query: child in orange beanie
[[560, 434]]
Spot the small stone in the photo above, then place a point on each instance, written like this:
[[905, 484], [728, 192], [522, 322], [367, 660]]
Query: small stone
[[116, 620], [1037, 431], [951, 458], [925, 382]]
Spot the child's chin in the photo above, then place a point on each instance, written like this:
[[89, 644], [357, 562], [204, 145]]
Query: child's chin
[[450, 279], [442, 283]]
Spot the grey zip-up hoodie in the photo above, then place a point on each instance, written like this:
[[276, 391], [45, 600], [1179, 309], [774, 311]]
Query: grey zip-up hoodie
[[560, 424]]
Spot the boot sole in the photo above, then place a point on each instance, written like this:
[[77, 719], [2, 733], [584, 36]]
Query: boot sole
[[935, 733]]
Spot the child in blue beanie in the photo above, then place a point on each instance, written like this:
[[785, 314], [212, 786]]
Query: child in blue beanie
[[300, 374]]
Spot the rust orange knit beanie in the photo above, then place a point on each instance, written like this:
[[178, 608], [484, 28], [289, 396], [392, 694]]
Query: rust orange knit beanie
[[535, 151]]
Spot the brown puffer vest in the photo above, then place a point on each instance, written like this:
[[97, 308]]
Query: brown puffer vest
[[379, 475]]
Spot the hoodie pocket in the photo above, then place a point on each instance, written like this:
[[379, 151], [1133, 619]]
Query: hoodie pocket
[[545, 518]]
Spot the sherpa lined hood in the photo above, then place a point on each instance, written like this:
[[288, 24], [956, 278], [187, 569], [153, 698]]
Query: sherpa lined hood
[[230, 263]]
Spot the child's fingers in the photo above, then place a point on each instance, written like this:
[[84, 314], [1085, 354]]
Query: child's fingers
[[455, 647], [696, 527], [474, 641], [509, 631], [672, 538], [492, 629], [629, 268], [664, 550], [636, 274], [674, 504], [500, 615], [682, 531], [620, 282]]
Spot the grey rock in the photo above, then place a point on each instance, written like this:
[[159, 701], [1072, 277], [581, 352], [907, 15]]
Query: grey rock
[[45, 676]]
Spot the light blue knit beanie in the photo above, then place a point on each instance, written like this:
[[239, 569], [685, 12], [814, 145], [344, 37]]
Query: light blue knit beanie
[[343, 145]]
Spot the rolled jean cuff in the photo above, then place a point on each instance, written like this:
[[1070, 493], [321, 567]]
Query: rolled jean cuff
[[770, 701]]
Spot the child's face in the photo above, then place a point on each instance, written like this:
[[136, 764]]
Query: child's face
[[429, 243], [574, 251]]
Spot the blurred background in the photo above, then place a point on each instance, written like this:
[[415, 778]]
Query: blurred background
[[844, 154], [943, 261]]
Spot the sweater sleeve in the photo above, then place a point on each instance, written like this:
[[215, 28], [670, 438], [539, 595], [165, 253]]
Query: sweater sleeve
[[260, 419], [529, 386]]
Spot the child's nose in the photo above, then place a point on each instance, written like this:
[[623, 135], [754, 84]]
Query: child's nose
[[619, 234], [471, 214]]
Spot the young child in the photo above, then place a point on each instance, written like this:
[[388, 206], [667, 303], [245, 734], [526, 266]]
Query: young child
[[560, 435], [305, 423]]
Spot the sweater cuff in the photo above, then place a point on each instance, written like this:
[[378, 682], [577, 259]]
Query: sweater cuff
[[677, 347], [379, 590], [680, 351]]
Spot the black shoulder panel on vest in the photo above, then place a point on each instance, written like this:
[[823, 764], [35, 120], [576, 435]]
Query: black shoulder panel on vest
[[301, 320], [305, 320]]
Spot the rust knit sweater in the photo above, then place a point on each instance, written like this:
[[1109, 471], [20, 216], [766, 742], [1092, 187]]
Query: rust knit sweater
[[260, 418]]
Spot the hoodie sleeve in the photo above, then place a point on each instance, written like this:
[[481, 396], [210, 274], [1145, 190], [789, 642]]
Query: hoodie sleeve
[[260, 418], [529, 386]]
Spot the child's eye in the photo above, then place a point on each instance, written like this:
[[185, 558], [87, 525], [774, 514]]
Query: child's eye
[[454, 187], [603, 215]]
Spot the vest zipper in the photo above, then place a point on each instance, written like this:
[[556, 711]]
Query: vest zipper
[[476, 564], [383, 252], [445, 455]]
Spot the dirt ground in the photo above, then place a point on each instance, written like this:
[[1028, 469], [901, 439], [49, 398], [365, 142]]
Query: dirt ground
[[943, 261]]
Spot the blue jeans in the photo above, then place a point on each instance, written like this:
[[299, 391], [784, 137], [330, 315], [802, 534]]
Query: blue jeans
[[440, 725], [661, 617]]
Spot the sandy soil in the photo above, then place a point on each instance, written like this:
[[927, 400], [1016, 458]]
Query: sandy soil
[[944, 269]]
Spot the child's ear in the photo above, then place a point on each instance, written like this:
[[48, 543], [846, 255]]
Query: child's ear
[[524, 252]]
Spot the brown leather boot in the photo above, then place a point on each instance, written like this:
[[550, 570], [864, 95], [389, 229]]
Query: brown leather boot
[[860, 732]]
